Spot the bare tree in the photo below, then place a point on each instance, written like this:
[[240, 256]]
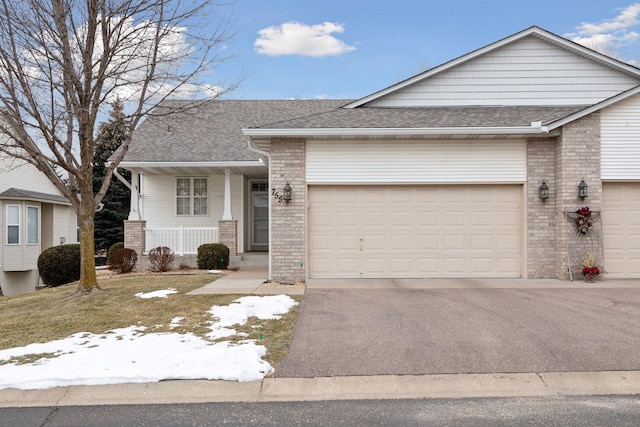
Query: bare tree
[[62, 62]]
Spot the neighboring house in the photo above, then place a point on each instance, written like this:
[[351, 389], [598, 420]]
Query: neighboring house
[[437, 176], [35, 216]]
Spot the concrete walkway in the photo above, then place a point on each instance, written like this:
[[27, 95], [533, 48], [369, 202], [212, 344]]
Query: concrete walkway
[[247, 280], [551, 384]]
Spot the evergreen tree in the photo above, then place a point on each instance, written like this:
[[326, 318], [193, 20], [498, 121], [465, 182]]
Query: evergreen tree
[[109, 226]]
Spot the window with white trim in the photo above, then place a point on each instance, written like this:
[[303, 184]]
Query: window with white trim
[[13, 224], [33, 225], [191, 196]]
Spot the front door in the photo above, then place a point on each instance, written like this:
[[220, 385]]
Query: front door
[[260, 219]]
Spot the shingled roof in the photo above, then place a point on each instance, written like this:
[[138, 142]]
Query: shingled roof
[[213, 130], [19, 194], [428, 117]]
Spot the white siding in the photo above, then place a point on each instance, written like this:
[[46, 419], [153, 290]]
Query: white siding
[[620, 136], [65, 225], [159, 195], [527, 72], [19, 174], [476, 161], [18, 282]]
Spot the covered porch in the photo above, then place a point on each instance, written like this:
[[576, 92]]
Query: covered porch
[[185, 205]]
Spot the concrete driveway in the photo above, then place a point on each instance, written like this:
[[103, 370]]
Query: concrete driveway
[[464, 326]]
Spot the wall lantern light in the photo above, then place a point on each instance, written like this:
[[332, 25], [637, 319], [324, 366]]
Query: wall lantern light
[[543, 191], [582, 189], [286, 193]]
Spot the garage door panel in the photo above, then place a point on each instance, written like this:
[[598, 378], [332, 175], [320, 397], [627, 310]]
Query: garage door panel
[[418, 231], [621, 229], [483, 265], [507, 265], [454, 218], [482, 242]]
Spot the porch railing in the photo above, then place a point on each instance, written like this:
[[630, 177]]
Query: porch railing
[[181, 240]]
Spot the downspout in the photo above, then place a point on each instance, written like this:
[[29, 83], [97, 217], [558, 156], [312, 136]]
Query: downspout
[[131, 188], [252, 147]]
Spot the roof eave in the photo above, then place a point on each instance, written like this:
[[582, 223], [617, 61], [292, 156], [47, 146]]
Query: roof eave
[[381, 132], [227, 164]]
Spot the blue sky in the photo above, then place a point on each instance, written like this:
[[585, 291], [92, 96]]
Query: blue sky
[[351, 48]]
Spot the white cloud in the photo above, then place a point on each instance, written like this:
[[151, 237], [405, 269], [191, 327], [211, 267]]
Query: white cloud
[[293, 38], [612, 37], [627, 18]]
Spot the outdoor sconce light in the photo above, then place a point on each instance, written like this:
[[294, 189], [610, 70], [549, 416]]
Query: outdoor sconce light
[[582, 189], [543, 191], [286, 193]]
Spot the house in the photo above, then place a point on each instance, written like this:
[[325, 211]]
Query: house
[[195, 180], [35, 216], [476, 168]]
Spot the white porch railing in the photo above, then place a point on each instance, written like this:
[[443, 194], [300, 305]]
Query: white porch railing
[[181, 240]]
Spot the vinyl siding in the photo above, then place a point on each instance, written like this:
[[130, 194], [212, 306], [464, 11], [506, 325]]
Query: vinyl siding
[[527, 72], [620, 136], [18, 282], [19, 174], [477, 161], [160, 203]]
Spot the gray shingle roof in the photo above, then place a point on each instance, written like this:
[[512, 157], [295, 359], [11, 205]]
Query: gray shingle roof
[[17, 193], [213, 130], [428, 117]]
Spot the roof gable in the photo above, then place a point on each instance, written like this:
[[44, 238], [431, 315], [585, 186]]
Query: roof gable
[[533, 67]]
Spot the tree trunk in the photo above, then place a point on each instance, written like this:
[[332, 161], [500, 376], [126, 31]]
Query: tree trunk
[[88, 280]]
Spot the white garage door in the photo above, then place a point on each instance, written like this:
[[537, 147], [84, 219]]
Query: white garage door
[[415, 231], [621, 229]]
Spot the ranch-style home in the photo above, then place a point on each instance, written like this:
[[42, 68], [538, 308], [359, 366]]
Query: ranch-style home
[[477, 168]]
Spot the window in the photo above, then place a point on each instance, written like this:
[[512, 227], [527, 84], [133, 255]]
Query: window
[[191, 196], [13, 224], [33, 225]]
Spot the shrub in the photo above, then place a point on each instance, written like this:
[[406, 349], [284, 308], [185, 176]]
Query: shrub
[[115, 246], [123, 260], [213, 256], [60, 264], [161, 259]]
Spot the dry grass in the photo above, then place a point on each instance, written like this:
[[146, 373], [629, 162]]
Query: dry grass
[[57, 313]]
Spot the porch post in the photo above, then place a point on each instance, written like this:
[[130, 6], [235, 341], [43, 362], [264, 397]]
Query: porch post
[[226, 215], [134, 210]]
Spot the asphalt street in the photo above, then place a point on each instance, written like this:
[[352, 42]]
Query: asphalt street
[[452, 331], [565, 411]]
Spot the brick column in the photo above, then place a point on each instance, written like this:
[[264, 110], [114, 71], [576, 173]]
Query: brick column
[[288, 220], [228, 235], [577, 158], [134, 237], [541, 217]]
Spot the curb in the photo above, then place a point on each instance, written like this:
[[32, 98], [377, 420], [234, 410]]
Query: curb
[[552, 384]]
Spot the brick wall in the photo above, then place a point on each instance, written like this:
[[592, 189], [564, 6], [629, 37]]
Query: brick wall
[[228, 235], [134, 235], [288, 220], [541, 218], [577, 158]]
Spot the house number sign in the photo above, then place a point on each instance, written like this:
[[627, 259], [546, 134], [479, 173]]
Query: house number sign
[[276, 195]]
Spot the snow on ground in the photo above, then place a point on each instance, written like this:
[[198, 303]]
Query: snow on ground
[[128, 355], [163, 293]]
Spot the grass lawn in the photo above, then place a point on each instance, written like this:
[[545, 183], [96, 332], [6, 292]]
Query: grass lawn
[[55, 313]]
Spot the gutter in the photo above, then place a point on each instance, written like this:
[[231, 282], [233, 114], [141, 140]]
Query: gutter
[[535, 128], [230, 164], [252, 147], [122, 179]]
